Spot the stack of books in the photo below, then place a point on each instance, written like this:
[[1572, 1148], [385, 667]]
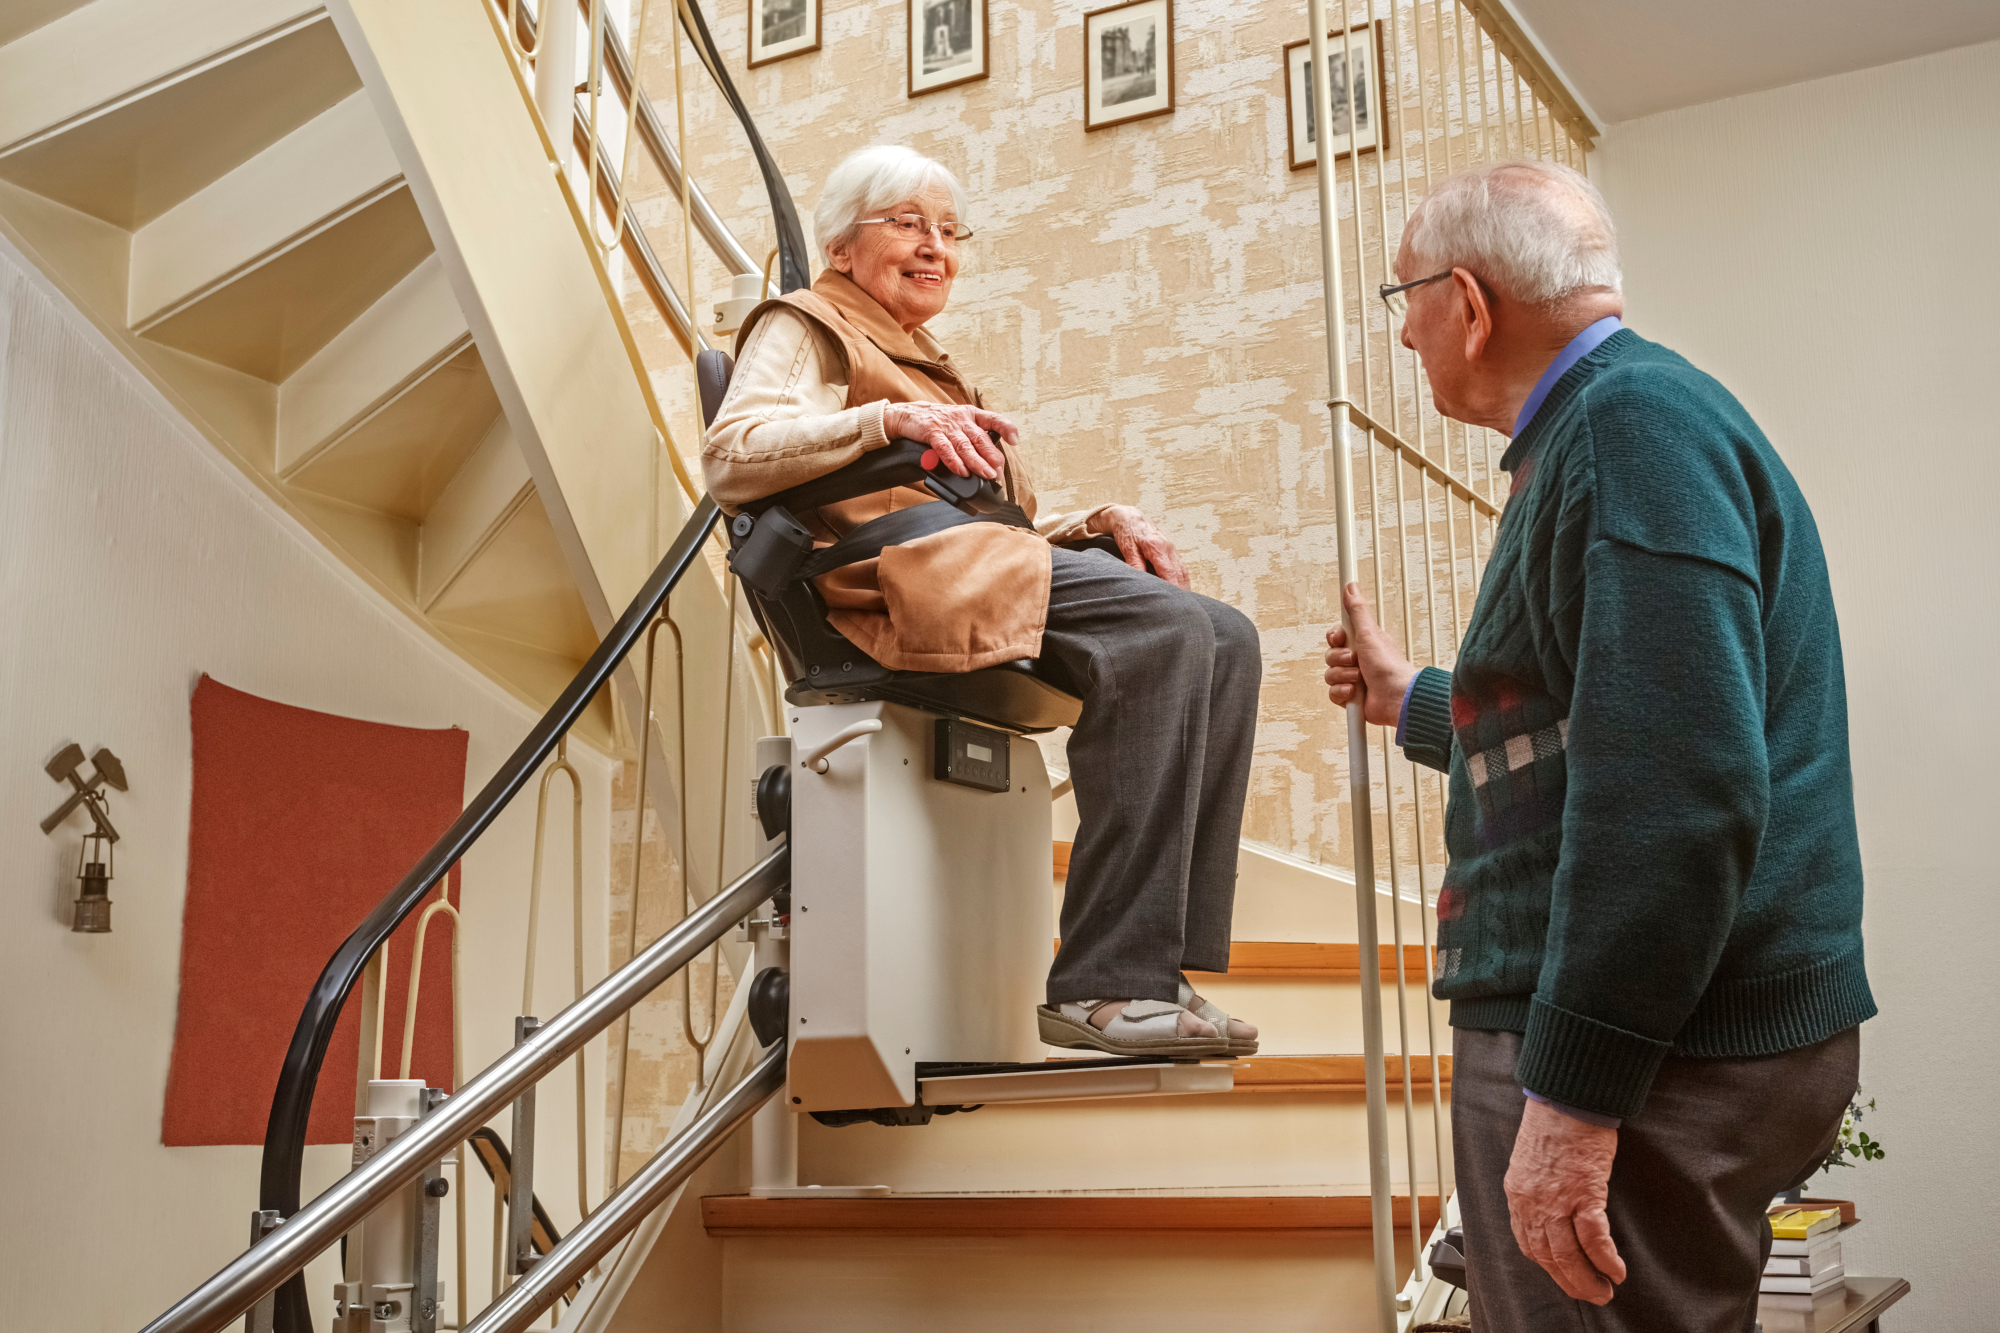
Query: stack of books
[[1805, 1252]]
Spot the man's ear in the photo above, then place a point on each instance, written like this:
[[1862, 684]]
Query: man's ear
[[1476, 310], [840, 254]]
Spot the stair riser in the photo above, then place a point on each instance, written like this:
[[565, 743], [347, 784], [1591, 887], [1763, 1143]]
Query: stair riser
[[1058, 1283], [1309, 1017], [1274, 1139]]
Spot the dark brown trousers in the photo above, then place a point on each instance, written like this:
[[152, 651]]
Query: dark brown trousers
[[1695, 1172]]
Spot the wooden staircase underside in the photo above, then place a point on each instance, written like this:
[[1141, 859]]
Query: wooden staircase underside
[[212, 186]]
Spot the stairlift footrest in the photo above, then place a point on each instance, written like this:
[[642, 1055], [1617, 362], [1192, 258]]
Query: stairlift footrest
[[1054, 1083]]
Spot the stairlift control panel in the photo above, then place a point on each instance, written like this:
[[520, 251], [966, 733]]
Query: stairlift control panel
[[971, 755]]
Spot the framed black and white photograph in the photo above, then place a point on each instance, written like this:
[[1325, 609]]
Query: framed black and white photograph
[[1128, 62], [947, 43], [782, 28], [1358, 108]]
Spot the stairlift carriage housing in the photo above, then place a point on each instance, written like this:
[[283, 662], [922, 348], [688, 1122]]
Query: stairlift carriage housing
[[919, 816], [922, 916]]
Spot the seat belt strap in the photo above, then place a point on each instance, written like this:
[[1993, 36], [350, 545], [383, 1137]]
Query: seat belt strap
[[899, 526]]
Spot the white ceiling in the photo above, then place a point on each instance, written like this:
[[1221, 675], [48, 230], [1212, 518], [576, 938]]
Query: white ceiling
[[1629, 58]]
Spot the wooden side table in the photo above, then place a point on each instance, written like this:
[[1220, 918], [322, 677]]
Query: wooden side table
[[1855, 1307]]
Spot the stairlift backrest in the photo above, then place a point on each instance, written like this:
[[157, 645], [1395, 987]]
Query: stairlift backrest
[[922, 912]]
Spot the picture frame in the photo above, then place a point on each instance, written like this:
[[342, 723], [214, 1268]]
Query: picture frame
[[1128, 63], [1372, 108], [946, 44], [781, 29]]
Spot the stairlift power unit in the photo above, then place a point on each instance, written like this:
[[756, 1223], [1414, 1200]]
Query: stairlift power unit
[[922, 902]]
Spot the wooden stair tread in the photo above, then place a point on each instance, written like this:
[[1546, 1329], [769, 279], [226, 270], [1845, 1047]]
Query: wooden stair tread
[[1015, 1214], [1302, 960], [1330, 1073]]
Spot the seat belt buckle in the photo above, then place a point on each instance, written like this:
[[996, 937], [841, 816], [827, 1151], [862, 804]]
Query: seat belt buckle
[[769, 559]]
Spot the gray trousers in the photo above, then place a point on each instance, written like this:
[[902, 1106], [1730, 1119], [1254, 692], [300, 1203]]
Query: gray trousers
[[1161, 762], [1695, 1172]]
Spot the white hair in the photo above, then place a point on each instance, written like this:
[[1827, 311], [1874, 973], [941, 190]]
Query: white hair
[[874, 179], [1537, 230]]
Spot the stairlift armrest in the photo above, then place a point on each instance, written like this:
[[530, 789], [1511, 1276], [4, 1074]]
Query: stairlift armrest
[[900, 464]]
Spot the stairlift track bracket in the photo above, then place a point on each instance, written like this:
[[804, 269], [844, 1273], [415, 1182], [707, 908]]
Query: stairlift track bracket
[[392, 1283], [521, 1255]]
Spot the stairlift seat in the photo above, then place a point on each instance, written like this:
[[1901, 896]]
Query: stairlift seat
[[822, 665]]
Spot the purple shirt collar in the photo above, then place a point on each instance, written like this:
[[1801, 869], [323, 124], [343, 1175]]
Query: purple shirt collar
[[1579, 347]]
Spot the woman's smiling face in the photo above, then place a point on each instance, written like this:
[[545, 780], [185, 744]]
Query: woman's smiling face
[[909, 279]]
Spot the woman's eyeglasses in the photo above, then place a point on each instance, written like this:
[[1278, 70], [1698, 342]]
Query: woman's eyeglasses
[[915, 226]]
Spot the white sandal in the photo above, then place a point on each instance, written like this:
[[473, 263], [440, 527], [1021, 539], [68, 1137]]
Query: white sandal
[[1140, 1027], [1241, 1037]]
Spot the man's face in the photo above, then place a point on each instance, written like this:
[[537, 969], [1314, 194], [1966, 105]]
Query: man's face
[[1435, 328]]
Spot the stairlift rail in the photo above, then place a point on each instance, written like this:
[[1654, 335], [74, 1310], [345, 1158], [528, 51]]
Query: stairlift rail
[[565, 1265], [210, 1307]]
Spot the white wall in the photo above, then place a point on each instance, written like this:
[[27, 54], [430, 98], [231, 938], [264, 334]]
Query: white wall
[[1828, 251], [132, 559]]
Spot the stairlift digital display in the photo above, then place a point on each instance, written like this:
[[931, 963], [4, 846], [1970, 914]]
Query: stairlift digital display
[[972, 756]]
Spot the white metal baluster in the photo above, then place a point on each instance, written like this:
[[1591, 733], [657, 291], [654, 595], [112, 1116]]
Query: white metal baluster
[[1357, 730], [1417, 797], [1371, 968], [1417, 783], [1485, 118]]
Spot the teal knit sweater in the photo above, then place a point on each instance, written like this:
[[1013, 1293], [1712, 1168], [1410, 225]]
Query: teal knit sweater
[[1651, 821]]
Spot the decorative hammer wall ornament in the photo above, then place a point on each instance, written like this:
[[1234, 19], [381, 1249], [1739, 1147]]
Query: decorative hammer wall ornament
[[94, 859], [66, 766]]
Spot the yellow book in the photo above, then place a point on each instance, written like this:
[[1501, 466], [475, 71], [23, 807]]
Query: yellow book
[[1799, 1223]]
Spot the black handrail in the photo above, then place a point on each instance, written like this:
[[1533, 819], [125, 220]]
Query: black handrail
[[794, 271], [291, 1105]]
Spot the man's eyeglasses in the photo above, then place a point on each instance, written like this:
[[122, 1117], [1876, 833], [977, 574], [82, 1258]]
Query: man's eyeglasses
[[915, 226], [1399, 305]]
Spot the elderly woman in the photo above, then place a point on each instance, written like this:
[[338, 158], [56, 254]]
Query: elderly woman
[[1161, 752]]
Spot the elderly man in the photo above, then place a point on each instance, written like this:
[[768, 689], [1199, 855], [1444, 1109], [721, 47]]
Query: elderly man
[[1650, 930]]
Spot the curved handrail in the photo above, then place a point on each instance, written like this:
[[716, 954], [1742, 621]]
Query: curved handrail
[[794, 271], [291, 1104]]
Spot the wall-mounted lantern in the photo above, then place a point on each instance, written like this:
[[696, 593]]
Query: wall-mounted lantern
[[95, 857], [93, 897]]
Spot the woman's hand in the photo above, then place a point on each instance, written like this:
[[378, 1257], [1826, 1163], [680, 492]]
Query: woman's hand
[[1143, 545], [959, 434], [1373, 670]]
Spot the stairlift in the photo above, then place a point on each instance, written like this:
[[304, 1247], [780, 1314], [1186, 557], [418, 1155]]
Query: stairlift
[[920, 917]]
